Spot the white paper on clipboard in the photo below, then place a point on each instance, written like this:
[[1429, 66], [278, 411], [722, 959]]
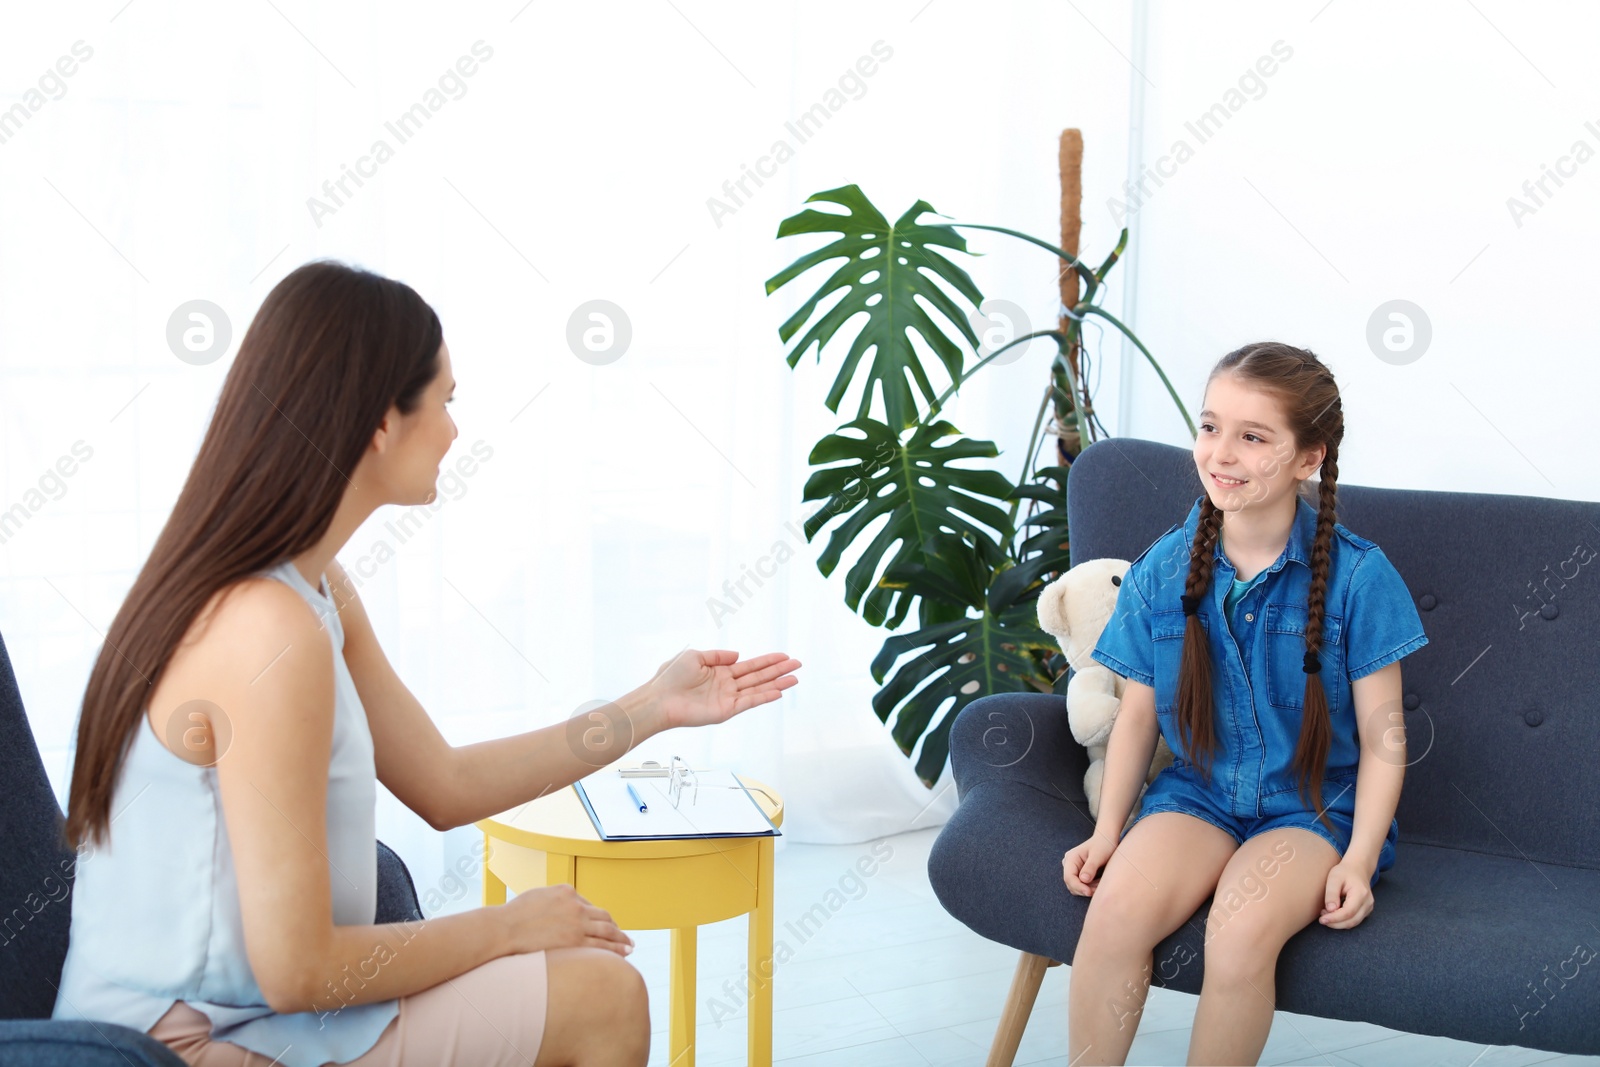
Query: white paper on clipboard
[[722, 807]]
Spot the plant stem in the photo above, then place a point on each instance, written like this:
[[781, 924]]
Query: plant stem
[[1093, 309], [1072, 261], [1064, 344], [1027, 461], [958, 383]]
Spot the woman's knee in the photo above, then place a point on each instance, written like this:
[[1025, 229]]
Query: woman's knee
[[596, 997]]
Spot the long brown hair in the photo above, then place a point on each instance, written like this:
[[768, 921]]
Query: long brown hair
[[330, 350], [1305, 388]]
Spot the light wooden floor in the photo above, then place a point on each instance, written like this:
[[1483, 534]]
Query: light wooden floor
[[890, 979]]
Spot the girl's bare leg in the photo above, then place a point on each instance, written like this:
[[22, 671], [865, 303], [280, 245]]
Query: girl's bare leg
[[1269, 891], [1162, 871]]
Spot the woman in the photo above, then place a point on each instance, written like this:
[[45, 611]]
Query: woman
[[241, 711]]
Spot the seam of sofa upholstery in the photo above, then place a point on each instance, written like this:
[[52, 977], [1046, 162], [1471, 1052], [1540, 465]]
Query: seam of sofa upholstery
[[1082, 805], [1498, 856]]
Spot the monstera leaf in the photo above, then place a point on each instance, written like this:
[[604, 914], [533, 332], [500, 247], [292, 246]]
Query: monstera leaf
[[952, 529], [1000, 649], [913, 483], [886, 268], [1046, 551]]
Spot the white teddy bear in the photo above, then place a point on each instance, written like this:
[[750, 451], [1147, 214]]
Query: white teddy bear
[[1074, 609]]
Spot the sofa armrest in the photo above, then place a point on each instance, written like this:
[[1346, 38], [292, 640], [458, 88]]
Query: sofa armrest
[[1018, 737]]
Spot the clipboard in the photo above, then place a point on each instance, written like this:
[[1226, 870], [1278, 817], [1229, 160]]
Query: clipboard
[[723, 807]]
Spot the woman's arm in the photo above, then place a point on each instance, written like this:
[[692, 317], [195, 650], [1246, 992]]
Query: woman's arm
[[448, 786], [1380, 719], [506, 771], [452, 787], [267, 664], [1129, 749]]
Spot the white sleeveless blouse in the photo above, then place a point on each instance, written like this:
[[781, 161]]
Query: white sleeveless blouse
[[155, 910]]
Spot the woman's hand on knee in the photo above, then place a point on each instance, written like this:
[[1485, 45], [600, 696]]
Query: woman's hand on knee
[[1082, 867], [555, 916]]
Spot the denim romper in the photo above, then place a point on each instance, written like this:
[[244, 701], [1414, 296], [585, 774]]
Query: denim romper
[[1369, 621]]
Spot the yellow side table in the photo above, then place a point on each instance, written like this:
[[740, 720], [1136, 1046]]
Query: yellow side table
[[675, 885]]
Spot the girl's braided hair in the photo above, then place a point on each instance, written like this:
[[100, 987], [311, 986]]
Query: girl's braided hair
[[1305, 389]]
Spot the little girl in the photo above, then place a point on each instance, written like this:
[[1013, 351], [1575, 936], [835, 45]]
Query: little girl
[[1277, 687]]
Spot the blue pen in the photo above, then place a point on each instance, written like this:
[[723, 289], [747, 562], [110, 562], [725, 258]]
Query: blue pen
[[637, 799]]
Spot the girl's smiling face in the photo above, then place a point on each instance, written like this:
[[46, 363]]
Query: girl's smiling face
[[1244, 452]]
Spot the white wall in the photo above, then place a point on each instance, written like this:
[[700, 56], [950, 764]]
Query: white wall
[[577, 165], [1377, 166]]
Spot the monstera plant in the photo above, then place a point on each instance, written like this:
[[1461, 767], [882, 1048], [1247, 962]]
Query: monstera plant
[[950, 547]]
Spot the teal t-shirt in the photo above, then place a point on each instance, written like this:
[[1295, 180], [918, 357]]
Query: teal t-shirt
[[1239, 589]]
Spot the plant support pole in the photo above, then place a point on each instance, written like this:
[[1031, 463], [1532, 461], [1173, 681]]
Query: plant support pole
[[1069, 440]]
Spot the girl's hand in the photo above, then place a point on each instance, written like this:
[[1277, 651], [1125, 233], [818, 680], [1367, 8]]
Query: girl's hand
[[703, 688], [1349, 881], [1088, 858]]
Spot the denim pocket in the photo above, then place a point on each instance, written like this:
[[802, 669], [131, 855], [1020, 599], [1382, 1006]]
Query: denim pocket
[[1285, 626], [1166, 632], [1338, 789]]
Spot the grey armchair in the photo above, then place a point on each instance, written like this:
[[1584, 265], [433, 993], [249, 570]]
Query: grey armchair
[[1487, 927], [35, 915]]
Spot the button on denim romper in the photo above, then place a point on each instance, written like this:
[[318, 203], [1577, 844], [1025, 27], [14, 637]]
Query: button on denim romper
[[1369, 621]]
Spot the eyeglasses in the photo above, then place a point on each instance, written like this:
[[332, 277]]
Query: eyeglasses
[[678, 776]]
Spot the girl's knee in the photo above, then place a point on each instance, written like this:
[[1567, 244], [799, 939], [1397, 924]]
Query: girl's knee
[[1236, 948], [1122, 921]]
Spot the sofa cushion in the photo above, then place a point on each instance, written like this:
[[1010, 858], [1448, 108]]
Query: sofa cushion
[[80, 1043], [1467, 945]]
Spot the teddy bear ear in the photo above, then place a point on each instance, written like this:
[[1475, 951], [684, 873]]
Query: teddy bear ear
[[1052, 610]]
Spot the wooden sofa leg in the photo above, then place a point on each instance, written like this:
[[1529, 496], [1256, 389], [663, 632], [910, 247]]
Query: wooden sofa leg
[[1019, 1005]]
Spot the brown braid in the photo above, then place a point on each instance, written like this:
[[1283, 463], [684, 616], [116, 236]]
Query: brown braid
[[1311, 753], [1310, 398], [1196, 723]]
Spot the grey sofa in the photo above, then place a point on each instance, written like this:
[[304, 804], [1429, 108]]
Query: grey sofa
[[35, 915], [1487, 927]]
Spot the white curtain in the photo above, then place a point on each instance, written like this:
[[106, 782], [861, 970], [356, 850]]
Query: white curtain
[[534, 158], [538, 156]]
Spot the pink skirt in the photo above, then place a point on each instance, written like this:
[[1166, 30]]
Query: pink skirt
[[492, 1015]]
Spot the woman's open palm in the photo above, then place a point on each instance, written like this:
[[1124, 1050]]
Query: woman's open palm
[[697, 688]]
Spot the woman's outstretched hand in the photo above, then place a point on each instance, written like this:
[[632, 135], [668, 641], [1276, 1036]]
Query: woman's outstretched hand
[[697, 688]]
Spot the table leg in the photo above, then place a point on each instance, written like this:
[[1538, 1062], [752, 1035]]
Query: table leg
[[761, 966], [494, 890], [684, 948]]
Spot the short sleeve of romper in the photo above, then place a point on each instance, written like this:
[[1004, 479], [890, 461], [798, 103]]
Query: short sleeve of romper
[[1381, 624], [1125, 644]]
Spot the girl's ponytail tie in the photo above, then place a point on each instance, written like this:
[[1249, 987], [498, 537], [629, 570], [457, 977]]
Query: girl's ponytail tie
[[1191, 604], [1312, 664]]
